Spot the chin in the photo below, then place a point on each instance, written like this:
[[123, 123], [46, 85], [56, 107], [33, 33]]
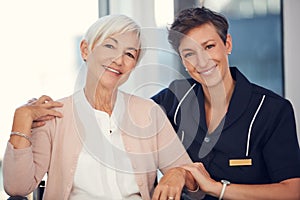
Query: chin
[[211, 82]]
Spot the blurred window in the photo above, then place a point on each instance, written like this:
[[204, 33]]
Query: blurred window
[[256, 29]]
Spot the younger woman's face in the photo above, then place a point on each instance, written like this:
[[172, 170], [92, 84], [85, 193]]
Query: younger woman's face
[[112, 61], [205, 55]]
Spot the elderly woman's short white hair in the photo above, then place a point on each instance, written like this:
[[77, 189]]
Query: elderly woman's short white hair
[[107, 26]]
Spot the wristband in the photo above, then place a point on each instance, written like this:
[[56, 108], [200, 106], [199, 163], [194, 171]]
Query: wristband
[[225, 183]]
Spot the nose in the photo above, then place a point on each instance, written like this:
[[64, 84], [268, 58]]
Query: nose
[[202, 58], [118, 59]]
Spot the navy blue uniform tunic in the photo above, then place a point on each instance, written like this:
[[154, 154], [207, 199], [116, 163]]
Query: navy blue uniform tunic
[[259, 125]]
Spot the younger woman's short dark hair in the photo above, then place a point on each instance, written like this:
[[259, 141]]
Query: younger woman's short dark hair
[[190, 18]]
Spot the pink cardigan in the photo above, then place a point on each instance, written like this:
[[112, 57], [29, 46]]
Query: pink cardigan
[[56, 146]]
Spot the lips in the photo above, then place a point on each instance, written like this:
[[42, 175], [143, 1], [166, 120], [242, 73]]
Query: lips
[[112, 70], [208, 71]]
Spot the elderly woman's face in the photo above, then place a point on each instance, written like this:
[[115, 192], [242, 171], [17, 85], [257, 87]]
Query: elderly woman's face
[[204, 54], [112, 61]]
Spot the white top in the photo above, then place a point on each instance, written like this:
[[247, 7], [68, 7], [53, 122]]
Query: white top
[[98, 179]]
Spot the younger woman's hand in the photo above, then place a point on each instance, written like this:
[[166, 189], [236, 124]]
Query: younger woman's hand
[[201, 175]]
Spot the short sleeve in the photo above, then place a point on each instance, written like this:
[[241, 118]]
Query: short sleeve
[[281, 152]]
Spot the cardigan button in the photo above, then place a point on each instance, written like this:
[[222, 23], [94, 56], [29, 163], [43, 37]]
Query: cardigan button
[[127, 148], [133, 165], [140, 183]]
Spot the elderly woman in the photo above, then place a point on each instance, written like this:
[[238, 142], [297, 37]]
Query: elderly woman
[[99, 143]]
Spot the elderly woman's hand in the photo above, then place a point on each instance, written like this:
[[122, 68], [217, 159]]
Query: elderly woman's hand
[[41, 110], [33, 114], [171, 184], [36, 112]]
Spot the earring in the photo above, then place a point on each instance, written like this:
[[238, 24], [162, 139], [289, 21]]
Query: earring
[[229, 53], [186, 70]]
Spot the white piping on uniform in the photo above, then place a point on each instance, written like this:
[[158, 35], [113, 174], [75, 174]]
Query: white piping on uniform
[[250, 127], [180, 102], [182, 136]]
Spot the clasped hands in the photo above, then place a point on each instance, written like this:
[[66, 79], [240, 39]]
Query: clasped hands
[[193, 176]]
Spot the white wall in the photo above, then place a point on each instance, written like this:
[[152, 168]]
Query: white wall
[[39, 52], [291, 55]]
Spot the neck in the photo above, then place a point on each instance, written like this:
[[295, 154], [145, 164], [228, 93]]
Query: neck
[[101, 98], [220, 94], [217, 100]]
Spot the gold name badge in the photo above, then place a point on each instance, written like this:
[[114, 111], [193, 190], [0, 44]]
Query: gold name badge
[[240, 162]]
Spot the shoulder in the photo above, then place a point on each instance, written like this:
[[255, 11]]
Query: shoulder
[[250, 89], [274, 108], [175, 90], [182, 84], [270, 96], [65, 110], [137, 100], [67, 103], [142, 112], [140, 106]]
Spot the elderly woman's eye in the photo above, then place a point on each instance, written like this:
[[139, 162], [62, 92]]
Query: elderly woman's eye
[[109, 46], [130, 55]]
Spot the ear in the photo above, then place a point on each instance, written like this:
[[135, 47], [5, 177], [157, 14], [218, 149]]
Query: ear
[[84, 49], [228, 44]]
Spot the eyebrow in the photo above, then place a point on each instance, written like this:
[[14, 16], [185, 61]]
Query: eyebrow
[[129, 48], [186, 49], [210, 40], [132, 49], [202, 44], [113, 39]]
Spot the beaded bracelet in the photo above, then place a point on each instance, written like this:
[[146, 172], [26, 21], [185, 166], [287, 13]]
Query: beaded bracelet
[[21, 135]]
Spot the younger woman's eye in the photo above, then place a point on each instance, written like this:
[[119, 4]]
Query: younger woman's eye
[[187, 54], [209, 46]]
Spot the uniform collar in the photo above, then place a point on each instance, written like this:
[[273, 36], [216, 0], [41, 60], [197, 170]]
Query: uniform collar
[[240, 98], [241, 93]]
